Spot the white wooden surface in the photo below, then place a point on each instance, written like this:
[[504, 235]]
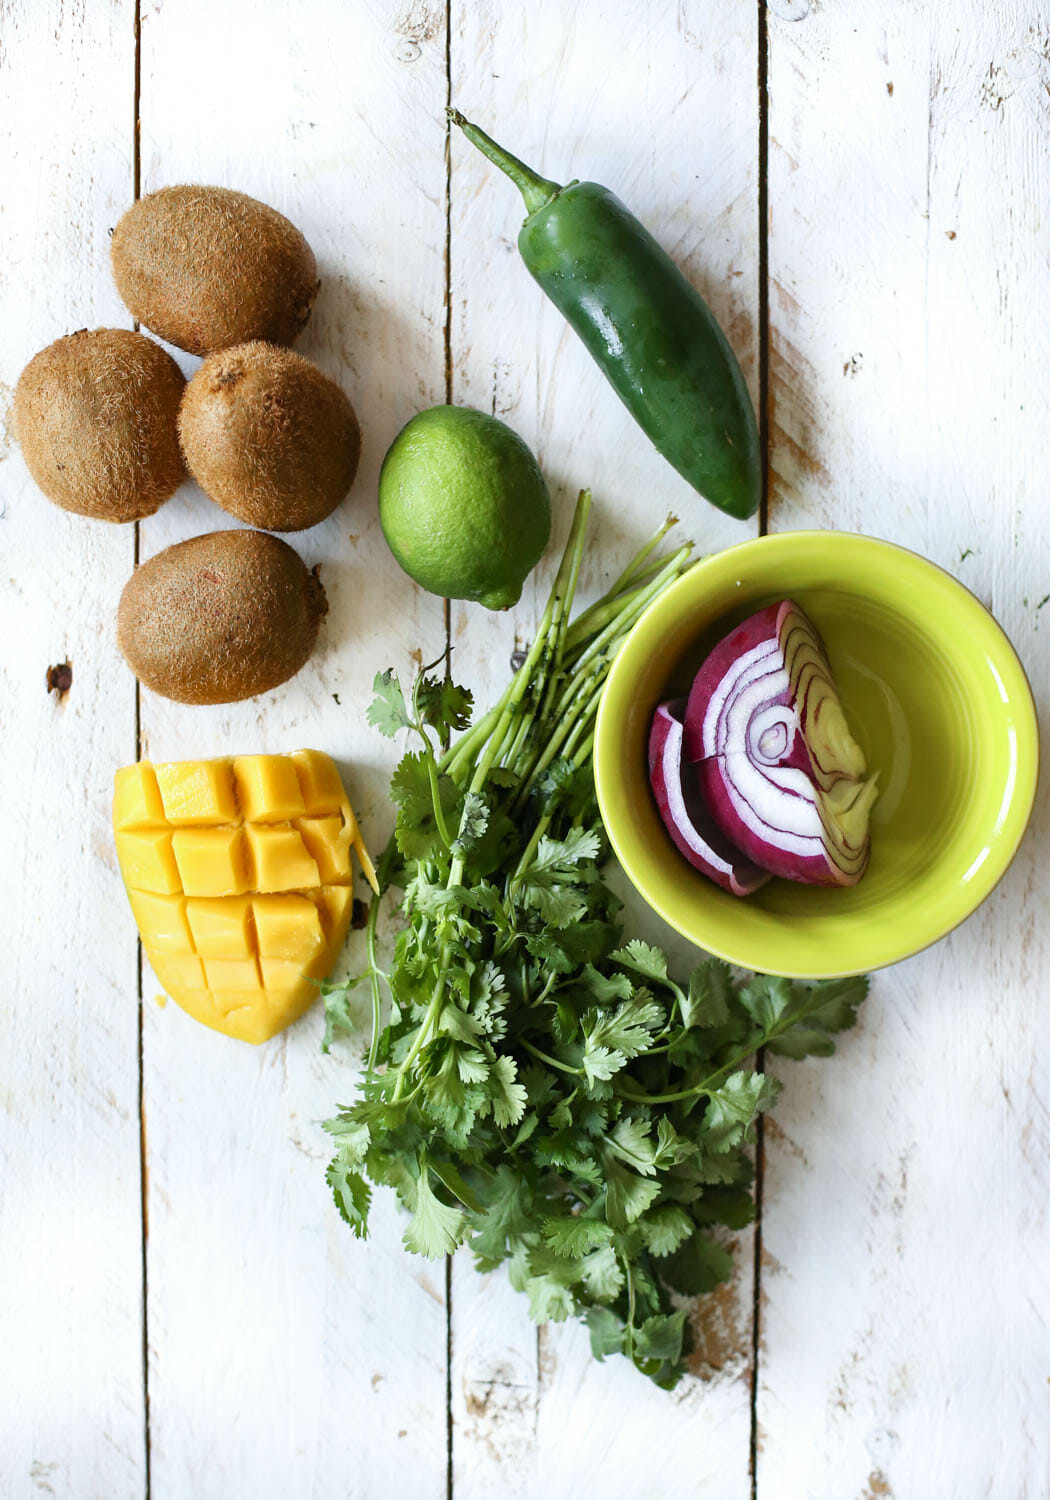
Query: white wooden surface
[[256, 1348]]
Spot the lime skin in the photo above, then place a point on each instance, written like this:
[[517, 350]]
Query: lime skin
[[463, 505]]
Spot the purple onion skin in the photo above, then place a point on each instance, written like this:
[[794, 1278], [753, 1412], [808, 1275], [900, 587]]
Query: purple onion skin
[[741, 877], [817, 869], [754, 631]]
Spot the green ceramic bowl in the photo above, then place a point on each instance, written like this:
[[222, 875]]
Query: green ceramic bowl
[[934, 694]]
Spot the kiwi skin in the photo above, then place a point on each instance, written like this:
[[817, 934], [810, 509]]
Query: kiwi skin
[[96, 414], [269, 437], [220, 617], [207, 268]]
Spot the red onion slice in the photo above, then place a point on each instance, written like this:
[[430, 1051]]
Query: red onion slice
[[683, 810], [782, 775]]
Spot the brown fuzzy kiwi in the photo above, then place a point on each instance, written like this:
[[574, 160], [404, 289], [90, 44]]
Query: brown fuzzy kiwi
[[269, 437], [96, 416], [207, 268], [221, 617]]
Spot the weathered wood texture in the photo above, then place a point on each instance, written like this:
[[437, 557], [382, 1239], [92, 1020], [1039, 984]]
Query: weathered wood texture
[[904, 1301], [565, 87], [903, 1316], [285, 1357], [71, 1413]]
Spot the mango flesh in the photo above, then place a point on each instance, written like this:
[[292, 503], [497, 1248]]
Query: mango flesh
[[239, 876]]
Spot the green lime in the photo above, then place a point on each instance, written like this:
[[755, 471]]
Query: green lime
[[463, 505]]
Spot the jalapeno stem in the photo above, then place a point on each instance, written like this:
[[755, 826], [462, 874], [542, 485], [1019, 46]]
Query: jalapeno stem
[[536, 190]]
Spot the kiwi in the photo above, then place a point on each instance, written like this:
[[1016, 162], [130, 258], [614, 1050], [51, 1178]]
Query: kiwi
[[207, 268], [96, 414], [219, 618], [269, 437]]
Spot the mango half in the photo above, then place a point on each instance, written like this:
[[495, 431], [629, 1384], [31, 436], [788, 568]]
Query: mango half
[[238, 873]]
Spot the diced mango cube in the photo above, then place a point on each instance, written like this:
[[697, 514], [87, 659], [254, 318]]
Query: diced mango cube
[[198, 791], [220, 926], [336, 903], [232, 973], [287, 926], [211, 861], [283, 974], [329, 848], [162, 922], [147, 862], [136, 798], [268, 788], [178, 970], [280, 859], [319, 779]]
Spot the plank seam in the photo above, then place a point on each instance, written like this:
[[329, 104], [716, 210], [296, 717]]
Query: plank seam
[[763, 260], [763, 527], [136, 188], [448, 293], [447, 609]]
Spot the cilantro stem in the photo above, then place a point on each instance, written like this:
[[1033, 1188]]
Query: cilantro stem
[[624, 618], [469, 741], [423, 1034], [435, 797], [629, 1329], [573, 556], [708, 1085], [582, 755], [373, 975], [583, 626], [552, 1062], [635, 566], [568, 729]]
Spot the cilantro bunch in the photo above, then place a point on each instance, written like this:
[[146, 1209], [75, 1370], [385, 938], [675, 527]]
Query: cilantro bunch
[[542, 1089]]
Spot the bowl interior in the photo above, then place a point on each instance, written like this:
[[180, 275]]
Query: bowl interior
[[935, 696]]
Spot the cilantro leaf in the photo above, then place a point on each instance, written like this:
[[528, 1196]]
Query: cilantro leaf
[[602, 1274], [612, 1038], [606, 1330], [574, 1237], [550, 1300], [664, 1228], [642, 959], [732, 1110], [606, 987], [416, 829], [560, 855], [443, 705], [631, 1142], [697, 1266], [766, 997], [337, 1016], [474, 820], [818, 1013], [660, 1337], [387, 712], [351, 1193], [627, 1195], [707, 1001], [507, 1216], [434, 1229], [508, 1099]]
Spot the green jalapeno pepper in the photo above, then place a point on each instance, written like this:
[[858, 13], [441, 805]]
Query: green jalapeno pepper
[[649, 329]]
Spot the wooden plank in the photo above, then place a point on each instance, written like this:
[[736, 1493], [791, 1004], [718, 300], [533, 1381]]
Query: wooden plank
[[72, 1418], [905, 1310], [661, 105], [284, 1356]]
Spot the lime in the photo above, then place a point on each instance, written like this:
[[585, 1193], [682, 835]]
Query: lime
[[463, 505]]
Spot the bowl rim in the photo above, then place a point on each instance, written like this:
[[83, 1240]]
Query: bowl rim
[[637, 649]]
